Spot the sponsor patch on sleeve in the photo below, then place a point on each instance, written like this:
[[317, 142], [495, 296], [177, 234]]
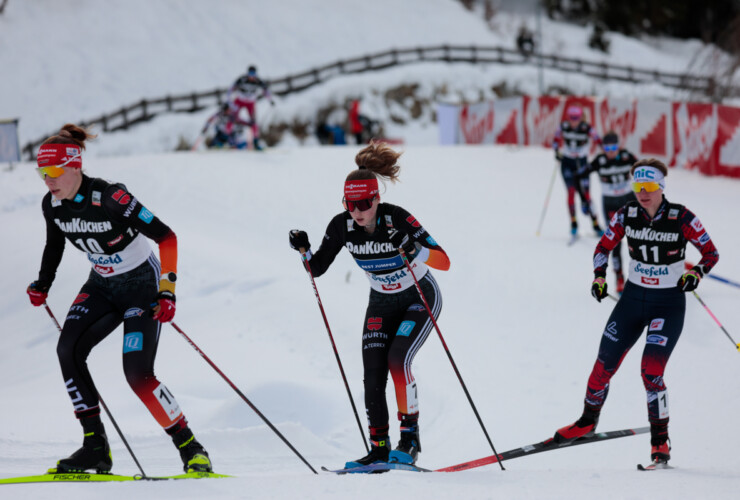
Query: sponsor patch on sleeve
[[696, 224], [146, 215], [704, 239]]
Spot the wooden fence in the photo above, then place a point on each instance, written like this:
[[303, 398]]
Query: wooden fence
[[146, 109]]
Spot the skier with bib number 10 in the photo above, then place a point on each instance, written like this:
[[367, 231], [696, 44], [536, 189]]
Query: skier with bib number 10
[[127, 284]]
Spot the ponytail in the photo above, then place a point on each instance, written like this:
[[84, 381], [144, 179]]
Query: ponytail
[[377, 159], [71, 134]]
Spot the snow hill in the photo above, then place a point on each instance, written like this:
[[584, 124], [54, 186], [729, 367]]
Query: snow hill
[[66, 60], [517, 318]]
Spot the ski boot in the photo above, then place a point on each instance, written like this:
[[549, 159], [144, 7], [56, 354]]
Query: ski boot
[[409, 445], [257, 144], [583, 427], [620, 284], [597, 229], [94, 454], [661, 448], [194, 456], [379, 450], [661, 453]]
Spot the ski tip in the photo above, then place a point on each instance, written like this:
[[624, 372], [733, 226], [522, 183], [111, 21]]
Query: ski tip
[[654, 466]]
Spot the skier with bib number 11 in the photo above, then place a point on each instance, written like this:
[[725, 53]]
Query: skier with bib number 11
[[657, 233]]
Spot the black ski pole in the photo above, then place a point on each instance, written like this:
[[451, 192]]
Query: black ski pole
[[333, 345], [547, 198], [246, 400], [102, 403], [447, 350]]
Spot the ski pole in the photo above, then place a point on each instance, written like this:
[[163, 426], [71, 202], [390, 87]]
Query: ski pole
[[547, 198], [333, 345], [241, 395], [102, 403], [716, 320], [447, 350], [197, 142], [715, 277]]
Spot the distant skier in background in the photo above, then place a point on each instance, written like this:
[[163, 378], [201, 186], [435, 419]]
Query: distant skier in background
[[525, 41], [356, 127], [573, 137], [613, 167], [127, 284], [396, 323], [657, 232], [227, 130], [244, 93]]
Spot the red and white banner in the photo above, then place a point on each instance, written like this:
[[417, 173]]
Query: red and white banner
[[685, 135]]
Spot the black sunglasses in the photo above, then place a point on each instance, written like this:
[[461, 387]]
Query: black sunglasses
[[360, 205]]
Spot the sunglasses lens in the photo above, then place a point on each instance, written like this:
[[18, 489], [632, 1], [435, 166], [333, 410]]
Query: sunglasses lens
[[360, 205], [650, 187], [611, 147], [52, 172]]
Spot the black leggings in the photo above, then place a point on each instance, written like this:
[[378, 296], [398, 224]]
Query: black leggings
[[102, 305], [396, 326], [662, 312]]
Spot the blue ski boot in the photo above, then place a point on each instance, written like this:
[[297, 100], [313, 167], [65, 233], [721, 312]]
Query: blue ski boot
[[379, 449], [409, 445]]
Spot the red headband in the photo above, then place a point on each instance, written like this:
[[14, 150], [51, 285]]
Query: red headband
[[60, 155], [360, 189]]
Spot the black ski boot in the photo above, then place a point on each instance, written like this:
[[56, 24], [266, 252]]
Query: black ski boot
[[409, 445], [194, 456], [95, 451], [660, 451], [380, 448]]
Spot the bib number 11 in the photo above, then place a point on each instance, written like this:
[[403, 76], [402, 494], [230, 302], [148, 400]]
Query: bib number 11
[[653, 250]]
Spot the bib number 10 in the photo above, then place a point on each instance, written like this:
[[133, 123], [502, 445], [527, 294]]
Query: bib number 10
[[92, 245]]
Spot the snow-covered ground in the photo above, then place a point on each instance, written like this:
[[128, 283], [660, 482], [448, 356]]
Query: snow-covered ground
[[66, 60], [517, 316], [518, 319]]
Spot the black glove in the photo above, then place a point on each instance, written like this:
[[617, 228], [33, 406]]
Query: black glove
[[401, 240], [690, 279], [298, 239], [598, 288]]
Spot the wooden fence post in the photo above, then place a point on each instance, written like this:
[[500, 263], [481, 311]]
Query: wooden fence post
[[124, 114]]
